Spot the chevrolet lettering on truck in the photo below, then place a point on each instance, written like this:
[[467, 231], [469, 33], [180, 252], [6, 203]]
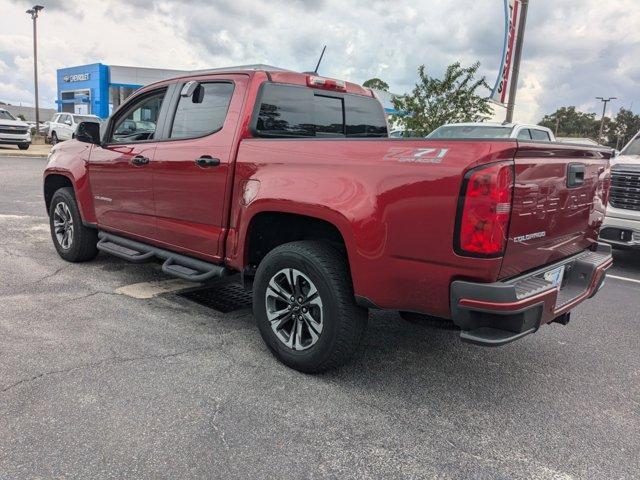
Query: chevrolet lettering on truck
[[290, 180]]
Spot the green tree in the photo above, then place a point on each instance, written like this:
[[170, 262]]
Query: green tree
[[569, 122], [625, 126], [434, 102], [376, 84], [21, 117]]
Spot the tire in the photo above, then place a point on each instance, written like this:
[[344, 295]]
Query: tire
[[429, 321], [79, 243], [23, 146], [54, 138], [338, 323]]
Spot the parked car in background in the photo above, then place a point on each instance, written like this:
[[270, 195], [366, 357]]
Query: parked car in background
[[43, 129], [402, 134], [579, 140], [621, 226], [289, 180], [63, 126], [14, 131], [520, 131]]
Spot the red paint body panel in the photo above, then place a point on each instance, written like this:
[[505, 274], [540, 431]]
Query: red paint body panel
[[122, 192], [190, 201], [395, 202], [69, 159], [396, 215], [570, 218]]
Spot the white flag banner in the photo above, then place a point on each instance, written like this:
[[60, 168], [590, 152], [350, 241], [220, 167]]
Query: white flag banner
[[512, 9]]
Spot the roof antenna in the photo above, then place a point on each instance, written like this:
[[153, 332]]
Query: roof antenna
[[320, 60]]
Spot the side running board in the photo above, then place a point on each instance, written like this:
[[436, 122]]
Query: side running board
[[174, 264]]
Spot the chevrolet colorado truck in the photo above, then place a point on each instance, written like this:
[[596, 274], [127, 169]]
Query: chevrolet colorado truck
[[621, 226], [290, 180]]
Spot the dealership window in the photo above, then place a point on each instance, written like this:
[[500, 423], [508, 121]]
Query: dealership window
[[118, 95], [203, 112], [292, 111], [138, 123]]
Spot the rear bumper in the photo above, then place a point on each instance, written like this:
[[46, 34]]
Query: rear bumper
[[497, 313]]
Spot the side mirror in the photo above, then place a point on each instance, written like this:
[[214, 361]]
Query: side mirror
[[67, 122], [88, 132]]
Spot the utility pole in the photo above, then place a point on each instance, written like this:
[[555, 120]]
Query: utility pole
[[33, 11], [604, 111], [513, 87]]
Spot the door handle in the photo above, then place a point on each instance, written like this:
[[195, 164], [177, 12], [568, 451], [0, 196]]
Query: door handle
[[207, 161], [575, 175], [139, 160]]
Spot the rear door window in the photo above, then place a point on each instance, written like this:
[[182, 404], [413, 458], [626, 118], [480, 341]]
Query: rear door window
[[203, 112]]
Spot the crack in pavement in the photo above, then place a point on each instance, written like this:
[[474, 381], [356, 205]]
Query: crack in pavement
[[114, 360]]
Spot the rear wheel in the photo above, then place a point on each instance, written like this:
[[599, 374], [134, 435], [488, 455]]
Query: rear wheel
[[54, 138], [304, 305], [73, 241]]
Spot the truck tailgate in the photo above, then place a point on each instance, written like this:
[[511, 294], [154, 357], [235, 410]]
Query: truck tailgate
[[558, 204]]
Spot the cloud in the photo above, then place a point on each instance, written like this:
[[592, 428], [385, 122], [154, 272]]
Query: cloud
[[574, 51]]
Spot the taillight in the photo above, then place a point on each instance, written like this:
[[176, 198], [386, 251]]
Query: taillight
[[486, 208], [326, 83]]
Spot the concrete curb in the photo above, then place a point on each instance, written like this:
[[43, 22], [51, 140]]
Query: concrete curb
[[18, 155]]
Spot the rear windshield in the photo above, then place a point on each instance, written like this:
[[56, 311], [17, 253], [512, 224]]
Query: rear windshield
[[470, 131], [293, 111], [633, 148]]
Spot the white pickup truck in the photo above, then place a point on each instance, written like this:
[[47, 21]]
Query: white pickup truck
[[14, 131], [621, 226], [520, 131]]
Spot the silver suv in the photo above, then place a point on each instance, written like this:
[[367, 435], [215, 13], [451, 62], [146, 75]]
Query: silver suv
[[63, 126], [622, 224]]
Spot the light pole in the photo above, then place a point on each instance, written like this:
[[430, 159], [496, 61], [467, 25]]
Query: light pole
[[517, 56], [604, 111], [33, 11]]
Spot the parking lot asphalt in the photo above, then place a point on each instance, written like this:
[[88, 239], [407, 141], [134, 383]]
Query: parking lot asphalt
[[100, 384]]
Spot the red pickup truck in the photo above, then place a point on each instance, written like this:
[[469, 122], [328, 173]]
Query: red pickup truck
[[290, 180]]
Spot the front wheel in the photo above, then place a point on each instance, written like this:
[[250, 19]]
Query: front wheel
[[23, 146], [54, 138], [73, 241], [304, 305]]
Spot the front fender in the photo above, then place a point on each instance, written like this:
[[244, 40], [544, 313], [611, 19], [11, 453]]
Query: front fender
[[69, 159]]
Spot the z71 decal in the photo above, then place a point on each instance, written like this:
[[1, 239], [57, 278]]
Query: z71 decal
[[416, 155]]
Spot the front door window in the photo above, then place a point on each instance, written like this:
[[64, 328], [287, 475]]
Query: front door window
[[139, 123]]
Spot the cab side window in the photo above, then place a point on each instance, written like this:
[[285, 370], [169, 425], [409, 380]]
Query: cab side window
[[540, 135], [139, 122], [203, 112], [524, 134]]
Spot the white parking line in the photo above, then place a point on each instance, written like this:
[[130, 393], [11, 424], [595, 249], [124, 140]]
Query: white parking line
[[624, 279]]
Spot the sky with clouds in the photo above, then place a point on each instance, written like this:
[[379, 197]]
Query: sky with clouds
[[574, 50]]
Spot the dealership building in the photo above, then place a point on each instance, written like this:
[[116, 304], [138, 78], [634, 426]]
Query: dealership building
[[99, 89]]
